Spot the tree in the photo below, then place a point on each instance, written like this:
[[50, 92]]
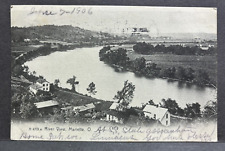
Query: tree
[[58, 116], [151, 102], [28, 110], [34, 72], [15, 103], [126, 95], [202, 77], [139, 64], [91, 88], [143, 48], [180, 73], [72, 81], [171, 105], [26, 68], [56, 82], [192, 110], [189, 74], [17, 70], [210, 110]]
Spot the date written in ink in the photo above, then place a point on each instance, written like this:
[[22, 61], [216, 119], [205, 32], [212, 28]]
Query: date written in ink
[[61, 11]]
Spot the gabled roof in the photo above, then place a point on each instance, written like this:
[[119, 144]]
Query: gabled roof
[[159, 111], [84, 107], [45, 104], [114, 106], [41, 81]]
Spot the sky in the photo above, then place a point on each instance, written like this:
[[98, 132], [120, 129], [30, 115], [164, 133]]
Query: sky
[[114, 19]]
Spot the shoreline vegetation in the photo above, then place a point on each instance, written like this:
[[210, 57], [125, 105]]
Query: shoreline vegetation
[[119, 60], [29, 43], [23, 101]]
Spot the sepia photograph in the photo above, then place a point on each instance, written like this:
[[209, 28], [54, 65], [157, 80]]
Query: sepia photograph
[[113, 73]]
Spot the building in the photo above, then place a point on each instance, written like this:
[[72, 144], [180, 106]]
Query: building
[[26, 40], [204, 46], [160, 114], [46, 106], [116, 106], [87, 108], [117, 114], [84, 108], [41, 84]]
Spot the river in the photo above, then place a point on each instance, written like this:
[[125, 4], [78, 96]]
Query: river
[[85, 65]]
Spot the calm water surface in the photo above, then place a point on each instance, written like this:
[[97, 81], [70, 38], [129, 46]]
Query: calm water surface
[[85, 65]]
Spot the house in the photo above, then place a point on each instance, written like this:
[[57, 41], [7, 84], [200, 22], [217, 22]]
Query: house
[[41, 84], [117, 114], [44, 84], [158, 113]]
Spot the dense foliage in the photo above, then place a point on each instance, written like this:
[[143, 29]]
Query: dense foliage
[[125, 95], [191, 110], [118, 58], [145, 48]]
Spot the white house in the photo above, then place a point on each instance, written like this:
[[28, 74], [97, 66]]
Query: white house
[[158, 113], [45, 85], [40, 84], [115, 116]]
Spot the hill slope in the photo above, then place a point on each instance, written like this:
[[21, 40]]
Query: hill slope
[[63, 33]]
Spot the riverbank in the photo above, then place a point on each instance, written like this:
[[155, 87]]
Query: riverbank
[[121, 61], [44, 51], [207, 63]]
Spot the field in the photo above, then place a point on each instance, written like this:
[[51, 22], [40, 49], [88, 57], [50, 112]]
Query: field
[[17, 50], [76, 99], [207, 63]]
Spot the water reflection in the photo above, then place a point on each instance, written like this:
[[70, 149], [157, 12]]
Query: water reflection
[[85, 65]]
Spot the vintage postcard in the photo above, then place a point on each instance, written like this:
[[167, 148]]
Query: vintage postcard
[[113, 73]]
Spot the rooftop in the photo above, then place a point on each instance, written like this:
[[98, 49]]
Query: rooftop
[[41, 81], [45, 104], [84, 107], [115, 105], [35, 86], [159, 111]]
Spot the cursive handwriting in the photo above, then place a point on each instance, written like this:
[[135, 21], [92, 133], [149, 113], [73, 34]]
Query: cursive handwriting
[[41, 12], [118, 133], [61, 11]]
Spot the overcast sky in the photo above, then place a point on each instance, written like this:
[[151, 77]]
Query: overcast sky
[[116, 18]]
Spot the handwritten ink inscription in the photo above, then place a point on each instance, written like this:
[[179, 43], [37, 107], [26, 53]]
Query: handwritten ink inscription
[[117, 133], [60, 12]]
